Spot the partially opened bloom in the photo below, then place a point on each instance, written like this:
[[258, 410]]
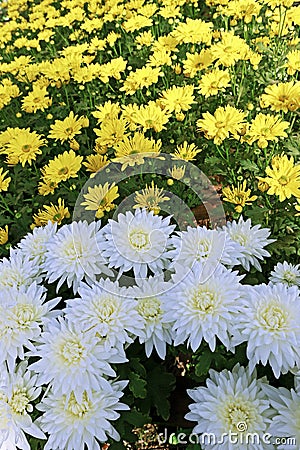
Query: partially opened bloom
[[18, 270], [22, 312], [283, 178], [156, 332], [150, 198], [33, 245], [231, 406], [71, 359], [203, 304], [17, 392], [100, 199], [252, 239], [239, 196], [286, 273], [78, 424], [108, 310], [139, 242], [72, 255], [207, 246], [285, 422], [269, 322]]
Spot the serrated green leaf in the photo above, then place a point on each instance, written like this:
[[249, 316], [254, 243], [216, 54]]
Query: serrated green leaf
[[137, 385]]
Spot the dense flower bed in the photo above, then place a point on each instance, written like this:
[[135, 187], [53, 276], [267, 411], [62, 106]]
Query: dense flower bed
[[124, 126], [72, 349]]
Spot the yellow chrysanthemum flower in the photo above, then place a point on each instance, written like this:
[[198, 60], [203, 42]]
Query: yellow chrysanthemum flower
[[186, 151], [55, 213], [152, 116], [133, 150], [4, 182], [264, 128], [213, 82], [150, 198], [177, 98], [224, 121], [47, 187], [177, 172], [283, 178], [196, 62], [25, 146], [239, 196], [111, 132], [96, 162], [293, 63], [36, 100], [106, 111], [282, 96], [3, 235], [62, 167], [67, 129], [100, 199]]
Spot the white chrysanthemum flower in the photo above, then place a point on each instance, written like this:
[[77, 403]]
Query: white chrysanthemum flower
[[74, 424], [231, 406], [108, 310], [139, 242], [270, 322], [70, 359], [156, 331], [18, 270], [286, 273], [33, 245], [253, 239], [202, 306], [72, 254], [17, 391], [201, 244], [286, 422], [22, 313]]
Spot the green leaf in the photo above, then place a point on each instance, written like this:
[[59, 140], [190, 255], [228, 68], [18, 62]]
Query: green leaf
[[249, 165], [203, 365], [137, 385], [160, 385], [136, 418]]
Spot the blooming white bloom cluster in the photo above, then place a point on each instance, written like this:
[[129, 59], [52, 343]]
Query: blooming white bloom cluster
[[171, 289]]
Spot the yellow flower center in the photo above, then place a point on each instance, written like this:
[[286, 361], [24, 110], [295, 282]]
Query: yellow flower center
[[150, 308], [273, 317], [63, 171], [139, 240], [289, 276], [25, 315], [283, 180], [204, 301], [26, 148], [19, 402], [76, 409], [238, 415], [105, 307], [72, 352], [220, 124]]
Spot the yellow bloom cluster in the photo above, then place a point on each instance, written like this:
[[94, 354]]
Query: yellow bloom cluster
[[166, 80]]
